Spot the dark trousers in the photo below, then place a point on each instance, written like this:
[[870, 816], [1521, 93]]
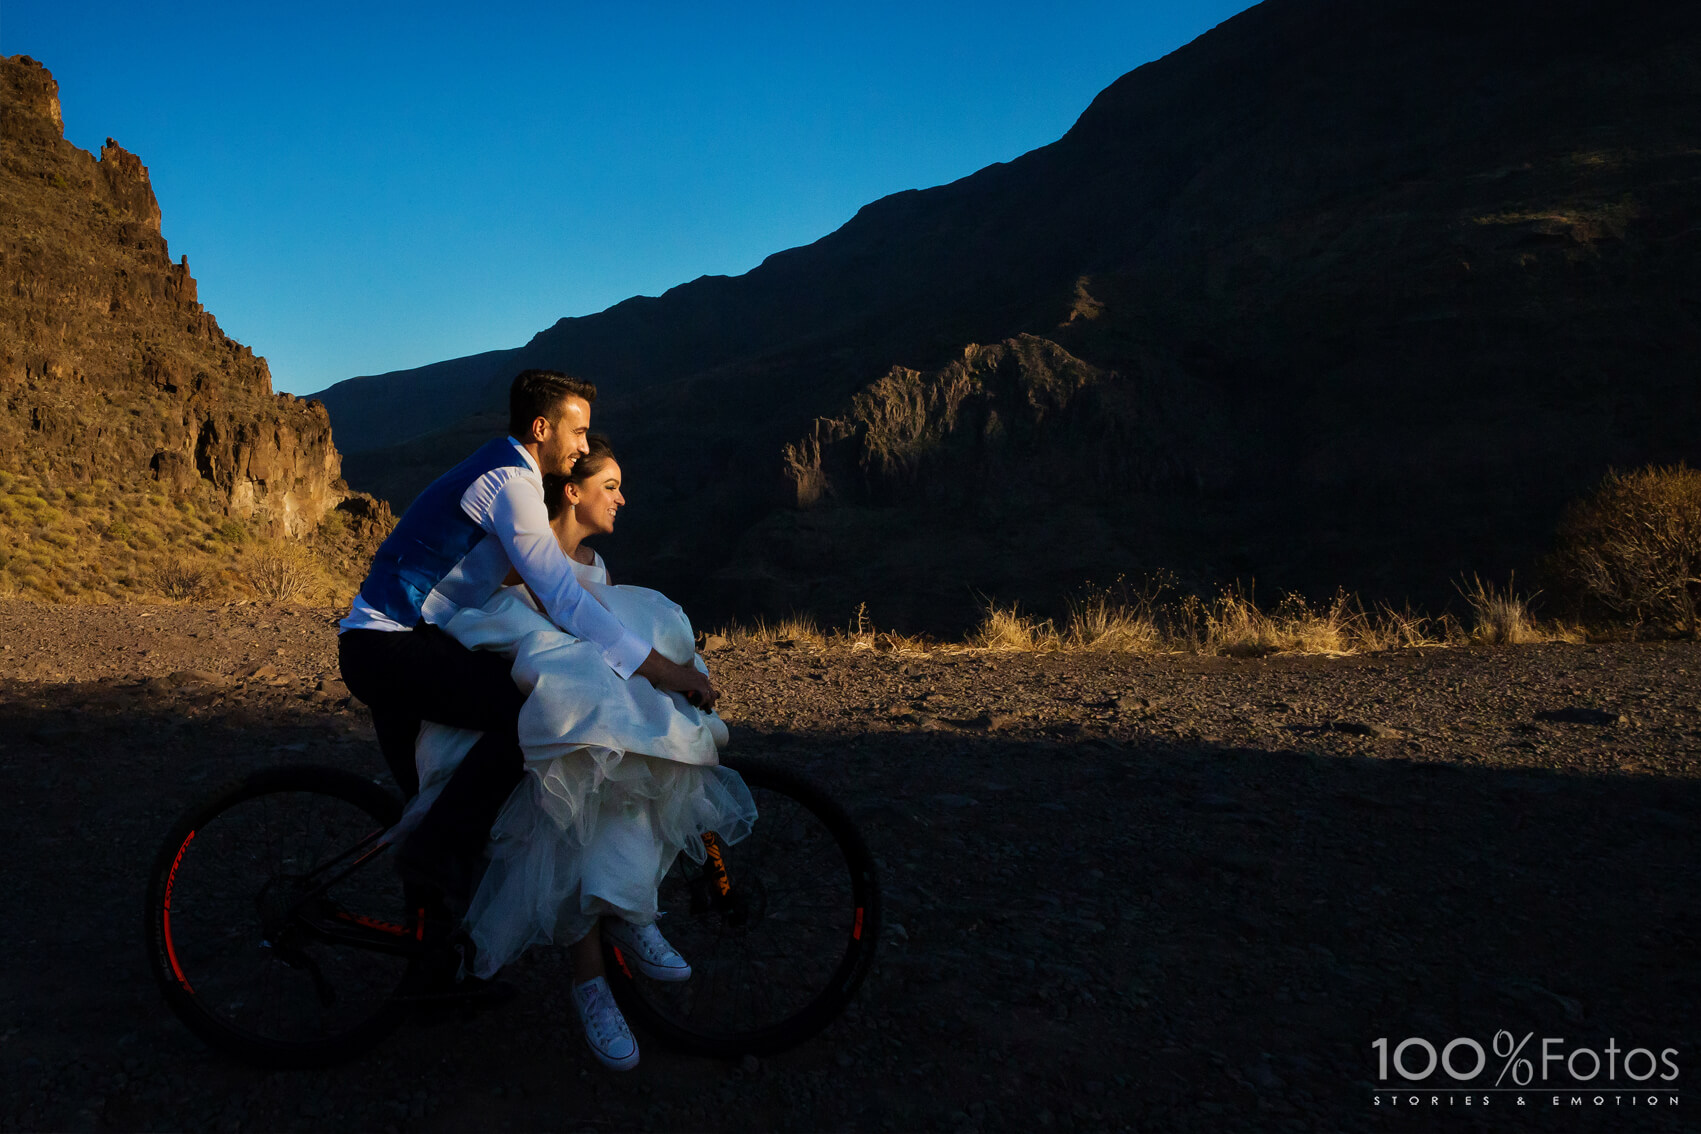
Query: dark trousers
[[409, 676]]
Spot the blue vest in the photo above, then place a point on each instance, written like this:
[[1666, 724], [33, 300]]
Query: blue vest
[[434, 534]]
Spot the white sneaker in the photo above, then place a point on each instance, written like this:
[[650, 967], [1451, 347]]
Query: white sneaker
[[655, 958], [605, 1028]]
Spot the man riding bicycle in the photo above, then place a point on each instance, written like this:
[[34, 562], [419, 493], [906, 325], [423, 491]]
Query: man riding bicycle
[[452, 548]]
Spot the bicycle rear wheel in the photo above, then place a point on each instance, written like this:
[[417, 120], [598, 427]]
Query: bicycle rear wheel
[[273, 926], [779, 953]]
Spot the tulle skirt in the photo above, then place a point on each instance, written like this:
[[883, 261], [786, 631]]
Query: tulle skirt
[[591, 834]]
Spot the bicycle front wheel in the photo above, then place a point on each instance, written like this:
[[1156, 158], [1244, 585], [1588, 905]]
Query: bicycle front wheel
[[779, 932], [273, 926]]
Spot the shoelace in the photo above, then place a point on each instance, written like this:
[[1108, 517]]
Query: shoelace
[[652, 944], [598, 1020]]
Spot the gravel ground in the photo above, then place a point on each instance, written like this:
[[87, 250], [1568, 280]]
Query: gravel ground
[[1121, 892]]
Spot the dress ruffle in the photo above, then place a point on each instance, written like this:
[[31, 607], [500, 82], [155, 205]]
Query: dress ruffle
[[592, 833]]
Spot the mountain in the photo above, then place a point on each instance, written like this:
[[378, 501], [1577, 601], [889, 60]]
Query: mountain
[[1335, 294], [118, 389]]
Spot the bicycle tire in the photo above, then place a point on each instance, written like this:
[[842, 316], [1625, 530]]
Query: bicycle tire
[[777, 978], [235, 861]]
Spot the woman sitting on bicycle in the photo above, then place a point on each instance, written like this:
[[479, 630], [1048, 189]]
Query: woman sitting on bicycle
[[623, 776]]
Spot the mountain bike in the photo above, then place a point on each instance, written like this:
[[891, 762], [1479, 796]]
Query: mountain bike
[[280, 934]]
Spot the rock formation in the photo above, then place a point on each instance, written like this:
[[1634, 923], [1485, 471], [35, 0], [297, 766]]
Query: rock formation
[[109, 366], [1021, 413]]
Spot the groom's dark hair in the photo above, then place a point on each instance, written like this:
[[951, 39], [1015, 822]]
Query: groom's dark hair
[[538, 393]]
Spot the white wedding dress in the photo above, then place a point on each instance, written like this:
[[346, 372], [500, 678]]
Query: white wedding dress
[[620, 776]]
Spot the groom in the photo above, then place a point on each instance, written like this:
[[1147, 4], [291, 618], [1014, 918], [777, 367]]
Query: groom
[[453, 548]]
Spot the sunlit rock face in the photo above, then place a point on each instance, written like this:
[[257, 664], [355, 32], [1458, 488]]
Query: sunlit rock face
[[109, 366]]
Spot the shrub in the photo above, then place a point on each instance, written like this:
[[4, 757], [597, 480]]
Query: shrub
[[283, 574], [185, 582], [332, 528], [1633, 546]]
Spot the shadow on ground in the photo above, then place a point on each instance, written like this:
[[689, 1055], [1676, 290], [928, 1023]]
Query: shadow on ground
[[1079, 936]]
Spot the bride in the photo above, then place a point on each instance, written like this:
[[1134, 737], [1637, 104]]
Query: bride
[[622, 776]]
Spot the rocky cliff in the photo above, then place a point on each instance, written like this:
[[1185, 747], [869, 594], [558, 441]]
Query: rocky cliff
[[1336, 294], [1008, 421], [109, 367]]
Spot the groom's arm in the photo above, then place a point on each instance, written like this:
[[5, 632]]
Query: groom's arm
[[517, 516]]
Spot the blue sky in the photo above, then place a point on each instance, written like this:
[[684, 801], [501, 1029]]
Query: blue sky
[[366, 187]]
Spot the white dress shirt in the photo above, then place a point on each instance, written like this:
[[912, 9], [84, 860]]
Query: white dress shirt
[[508, 503]]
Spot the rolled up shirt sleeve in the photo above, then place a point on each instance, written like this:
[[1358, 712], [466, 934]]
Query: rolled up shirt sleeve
[[518, 518]]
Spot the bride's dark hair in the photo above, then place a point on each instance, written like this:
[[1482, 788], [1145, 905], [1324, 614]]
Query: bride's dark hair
[[587, 466]]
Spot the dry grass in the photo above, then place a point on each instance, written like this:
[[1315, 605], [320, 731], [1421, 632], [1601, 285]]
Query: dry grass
[[1120, 620], [1236, 626], [1100, 626], [129, 542], [795, 630], [905, 645], [862, 635], [1390, 629], [1500, 617], [1007, 628], [1232, 624], [803, 630]]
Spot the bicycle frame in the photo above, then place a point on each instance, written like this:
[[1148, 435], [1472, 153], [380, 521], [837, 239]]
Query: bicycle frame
[[712, 891], [338, 925]]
